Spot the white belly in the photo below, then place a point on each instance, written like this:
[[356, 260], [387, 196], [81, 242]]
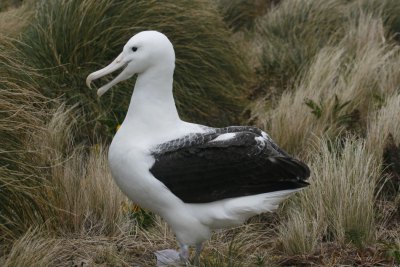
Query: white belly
[[130, 160]]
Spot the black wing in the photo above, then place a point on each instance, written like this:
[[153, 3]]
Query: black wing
[[199, 168]]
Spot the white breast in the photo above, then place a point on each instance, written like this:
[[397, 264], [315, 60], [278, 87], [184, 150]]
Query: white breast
[[130, 160]]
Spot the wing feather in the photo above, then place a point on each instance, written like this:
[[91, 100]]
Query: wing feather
[[198, 169]]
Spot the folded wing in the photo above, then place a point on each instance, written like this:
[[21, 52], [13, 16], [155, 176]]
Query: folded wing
[[226, 163]]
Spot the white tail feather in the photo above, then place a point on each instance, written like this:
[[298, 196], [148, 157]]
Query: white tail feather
[[231, 212]]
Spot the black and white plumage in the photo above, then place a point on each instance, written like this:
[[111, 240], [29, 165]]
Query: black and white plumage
[[226, 163], [196, 177]]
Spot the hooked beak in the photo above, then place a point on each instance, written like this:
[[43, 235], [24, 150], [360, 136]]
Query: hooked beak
[[115, 65]]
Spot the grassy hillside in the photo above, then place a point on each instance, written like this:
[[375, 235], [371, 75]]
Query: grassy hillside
[[321, 77]]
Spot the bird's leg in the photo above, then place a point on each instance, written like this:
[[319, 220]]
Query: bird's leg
[[199, 248], [184, 253]]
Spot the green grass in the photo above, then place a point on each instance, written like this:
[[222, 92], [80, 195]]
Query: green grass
[[7, 4], [22, 113], [242, 14], [210, 71], [327, 91], [293, 33]]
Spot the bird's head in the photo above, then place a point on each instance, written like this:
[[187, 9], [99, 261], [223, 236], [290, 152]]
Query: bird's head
[[143, 51]]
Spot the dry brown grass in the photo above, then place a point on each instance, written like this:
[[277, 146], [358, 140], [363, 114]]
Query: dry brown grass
[[337, 93], [350, 88], [339, 205], [21, 113], [80, 189], [38, 248], [14, 20], [60, 207], [382, 123]]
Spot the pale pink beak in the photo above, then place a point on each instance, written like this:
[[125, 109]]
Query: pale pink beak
[[113, 66]]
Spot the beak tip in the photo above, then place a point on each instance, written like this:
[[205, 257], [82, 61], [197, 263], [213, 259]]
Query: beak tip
[[88, 82], [100, 92], [115, 65]]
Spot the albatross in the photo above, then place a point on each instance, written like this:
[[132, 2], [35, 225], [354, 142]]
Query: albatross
[[197, 178]]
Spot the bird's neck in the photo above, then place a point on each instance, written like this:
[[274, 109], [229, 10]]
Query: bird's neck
[[152, 105]]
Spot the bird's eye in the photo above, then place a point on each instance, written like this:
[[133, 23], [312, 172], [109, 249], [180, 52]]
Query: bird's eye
[[134, 48]]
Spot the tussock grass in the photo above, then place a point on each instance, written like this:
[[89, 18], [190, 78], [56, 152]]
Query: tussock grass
[[90, 202], [14, 20], [7, 4], [384, 122], [48, 180], [210, 69], [236, 247], [301, 234], [21, 113], [383, 142], [32, 249], [339, 90], [82, 193], [292, 33], [242, 14], [133, 246], [350, 88], [339, 205], [331, 80], [388, 10]]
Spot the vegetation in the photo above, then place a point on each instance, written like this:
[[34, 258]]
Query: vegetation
[[322, 77], [65, 49], [242, 14]]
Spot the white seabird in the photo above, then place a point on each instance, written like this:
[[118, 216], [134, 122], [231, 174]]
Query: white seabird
[[196, 177]]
